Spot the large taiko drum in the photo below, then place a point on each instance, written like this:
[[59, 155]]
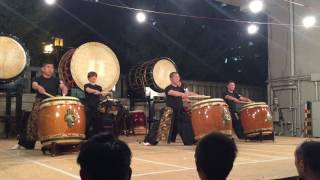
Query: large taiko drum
[[211, 115], [13, 59], [154, 74], [92, 56], [61, 120], [256, 119]]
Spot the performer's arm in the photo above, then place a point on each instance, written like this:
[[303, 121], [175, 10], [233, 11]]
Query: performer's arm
[[38, 87], [242, 98], [239, 101], [92, 91], [63, 88], [177, 93]]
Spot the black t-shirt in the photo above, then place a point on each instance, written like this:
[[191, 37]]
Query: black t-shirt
[[174, 101], [51, 85], [92, 100], [231, 104]]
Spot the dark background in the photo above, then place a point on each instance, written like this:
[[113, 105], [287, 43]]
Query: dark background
[[203, 49]]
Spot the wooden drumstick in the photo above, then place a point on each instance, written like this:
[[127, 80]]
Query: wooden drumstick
[[49, 95]]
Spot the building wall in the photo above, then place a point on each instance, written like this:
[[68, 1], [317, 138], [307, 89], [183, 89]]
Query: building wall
[[293, 87]]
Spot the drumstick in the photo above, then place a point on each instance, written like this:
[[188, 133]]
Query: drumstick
[[49, 95]]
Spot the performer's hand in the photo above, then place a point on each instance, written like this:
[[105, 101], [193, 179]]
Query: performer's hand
[[191, 93], [103, 93], [41, 90], [97, 92], [185, 96]]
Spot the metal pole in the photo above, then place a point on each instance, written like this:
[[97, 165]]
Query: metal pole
[[292, 49]]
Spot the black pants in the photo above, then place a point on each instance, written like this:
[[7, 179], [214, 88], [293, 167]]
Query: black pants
[[237, 126], [181, 124], [94, 124], [151, 137], [23, 140]]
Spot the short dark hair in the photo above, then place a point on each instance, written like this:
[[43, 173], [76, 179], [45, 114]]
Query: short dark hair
[[230, 82], [215, 154], [91, 74], [309, 152], [103, 157], [172, 73], [46, 62]]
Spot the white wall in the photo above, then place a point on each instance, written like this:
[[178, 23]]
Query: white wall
[[306, 43]]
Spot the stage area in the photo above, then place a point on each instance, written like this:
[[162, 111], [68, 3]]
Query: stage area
[[256, 160]]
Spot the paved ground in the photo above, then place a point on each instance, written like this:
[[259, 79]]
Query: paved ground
[[266, 160]]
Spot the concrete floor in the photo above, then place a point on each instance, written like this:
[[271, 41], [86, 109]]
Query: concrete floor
[[266, 160]]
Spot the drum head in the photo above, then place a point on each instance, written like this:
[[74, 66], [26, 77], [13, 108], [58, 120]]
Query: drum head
[[97, 57], [209, 101], [252, 105], [13, 58], [161, 72]]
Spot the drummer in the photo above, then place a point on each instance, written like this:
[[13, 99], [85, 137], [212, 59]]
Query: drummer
[[232, 98], [92, 93], [44, 84], [181, 123]]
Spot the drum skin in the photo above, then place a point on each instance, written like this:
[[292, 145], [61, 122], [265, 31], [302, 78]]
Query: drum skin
[[154, 74], [61, 120], [211, 115], [75, 65], [256, 118], [13, 59]]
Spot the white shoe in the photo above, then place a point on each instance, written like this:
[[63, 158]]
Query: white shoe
[[18, 147], [146, 144]]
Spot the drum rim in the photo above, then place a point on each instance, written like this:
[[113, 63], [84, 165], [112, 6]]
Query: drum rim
[[253, 105], [136, 111], [27, 55], [69, 98], [212, 100], [60, 69], [116, 78]]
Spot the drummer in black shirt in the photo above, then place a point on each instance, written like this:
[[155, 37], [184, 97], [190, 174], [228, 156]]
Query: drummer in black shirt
[[92, 94], [44, 84], [181, 122], [232, 98]]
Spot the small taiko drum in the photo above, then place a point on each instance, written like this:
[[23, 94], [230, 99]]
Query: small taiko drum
[[61, 120], [211, 115], [256, 119], [138, 121]]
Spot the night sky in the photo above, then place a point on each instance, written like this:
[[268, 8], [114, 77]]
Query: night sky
[[203, 49]]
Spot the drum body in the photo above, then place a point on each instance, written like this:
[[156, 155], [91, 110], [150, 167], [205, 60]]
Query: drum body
[[211, 115], [154, 74], [256, 118], [61, 120], [13, 59], [92, 56], [139, 122]]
